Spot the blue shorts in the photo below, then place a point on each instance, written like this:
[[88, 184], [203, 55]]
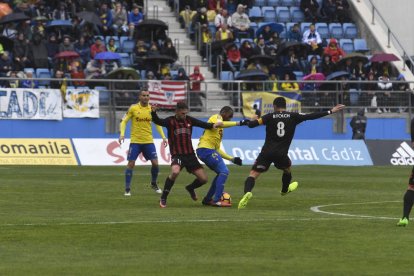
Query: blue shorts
[[213, 160], [148, 150]]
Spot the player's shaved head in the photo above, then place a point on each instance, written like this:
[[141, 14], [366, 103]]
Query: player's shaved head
[[181, 106], [226, 113], [279, 102]]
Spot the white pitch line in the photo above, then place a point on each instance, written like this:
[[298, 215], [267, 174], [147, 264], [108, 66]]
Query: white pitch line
[[317, 209]]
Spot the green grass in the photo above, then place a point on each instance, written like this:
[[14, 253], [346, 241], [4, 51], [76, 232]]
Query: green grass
[[76, 221]]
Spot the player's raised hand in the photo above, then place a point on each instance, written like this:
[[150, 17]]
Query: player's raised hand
[[237, 161], [165, 142], [244, 122], [337, 108], [121, 140], [154, 108]]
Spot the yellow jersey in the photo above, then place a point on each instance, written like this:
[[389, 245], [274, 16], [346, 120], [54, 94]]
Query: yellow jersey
[[211, 138], [141, 130]]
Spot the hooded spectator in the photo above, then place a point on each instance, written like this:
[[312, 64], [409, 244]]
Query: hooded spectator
[[334, 51]]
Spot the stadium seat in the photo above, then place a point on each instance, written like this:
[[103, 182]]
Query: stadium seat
[[283, 14], [360, 45], [143, 74], [99, 36], [226, 76], [304, 26], [173, 73], [335, 30], [255, 13], [122, 39], [299, 75], [254, 26], [347, 45], [260, 3], [296, 14], [104, 95], [107, 38], [322, 29], [125, 59], [350, 30], [318, 57], [269, 14], [248, 39], [283, 35], [43, 73], [273, 3], [128, 46], [288, 3], [27, 70]]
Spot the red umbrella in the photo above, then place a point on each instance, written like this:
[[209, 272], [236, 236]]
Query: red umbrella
[[382, 57], [67, 54]]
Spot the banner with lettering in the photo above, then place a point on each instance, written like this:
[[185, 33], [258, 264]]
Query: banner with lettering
[[81, 103], [264, 101]]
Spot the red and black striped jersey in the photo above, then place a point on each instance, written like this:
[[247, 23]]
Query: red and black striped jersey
[[179, 132]]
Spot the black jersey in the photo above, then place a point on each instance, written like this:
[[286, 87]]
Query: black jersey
[[280, 128]]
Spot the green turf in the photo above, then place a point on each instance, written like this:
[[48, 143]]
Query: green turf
[[76, 221]]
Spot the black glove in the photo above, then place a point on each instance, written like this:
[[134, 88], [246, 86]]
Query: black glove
[[237, 161], [244, 122]]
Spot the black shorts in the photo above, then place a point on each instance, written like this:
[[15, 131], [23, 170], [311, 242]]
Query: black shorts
[[265, 159], [188, 161]]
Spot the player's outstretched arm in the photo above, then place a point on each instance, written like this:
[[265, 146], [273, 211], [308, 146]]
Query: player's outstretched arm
[[337, 108], [157, 120]]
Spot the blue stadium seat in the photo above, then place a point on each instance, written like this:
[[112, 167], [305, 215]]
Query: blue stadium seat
[[322, 29], [43, 73], [360, 45], [126, 60], [347, 45], [304, 26], [350, 30], [255, 12], [260, 3], [288, 3], [283, 14], [143, 74], [273, 3], [104, 95], [122, 39], [269, 14], [254, 26], [128, 46], [283, 35], [296, 14], [173, 73], [299, 75], [226, 75], [336, 31], [107, 38], [32, 70]]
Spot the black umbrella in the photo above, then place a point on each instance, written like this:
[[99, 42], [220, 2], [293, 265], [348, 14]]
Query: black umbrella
[[219, 44], [7, 43], [336, 75], [159, 59], [90, 17], [14, 17], [297, 47], [263, 59], [254, 74], [149, 28], [123, 73], [355, 57]]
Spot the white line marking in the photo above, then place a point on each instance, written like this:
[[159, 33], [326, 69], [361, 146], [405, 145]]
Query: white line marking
[[317, 209]]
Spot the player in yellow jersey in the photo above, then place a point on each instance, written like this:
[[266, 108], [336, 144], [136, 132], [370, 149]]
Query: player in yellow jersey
[[210, 153], [141, 140]]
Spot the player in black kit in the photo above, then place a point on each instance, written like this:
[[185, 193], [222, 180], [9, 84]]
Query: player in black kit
[[280, 128]]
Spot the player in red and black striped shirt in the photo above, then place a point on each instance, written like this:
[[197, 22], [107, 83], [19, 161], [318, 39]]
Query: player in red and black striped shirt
[[180, 129]]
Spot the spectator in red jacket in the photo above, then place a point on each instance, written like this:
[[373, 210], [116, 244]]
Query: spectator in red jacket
[[195, 94], [97, 47], [234, 58], [334, 51]]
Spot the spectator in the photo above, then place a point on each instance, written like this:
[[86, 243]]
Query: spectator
[[223, 33], [105, 15], [134, 18], [10, 31], [294, 33], [28, 82], [234, 60], [261, 47], [83, 49], [150, 75], [95, 69], [274, 43], [267, 33], [359, 124], [327, 66], [272, 85], [195, 93], [329, 10], [358, 73], [140, 51], [66, 44], [310, 10], [206, 37], [368, 95], [21, 52], [111, 47], [61, 12], [200, 21], [14, 80], [246, 50], [77, 73], [384, 98], [313, 39], [52, 47], [182, 75], [334, 51], [215, 5], [291, 61], [39, 52], [110, 65], [120, 20], [58, 84], [313, 66], [97, 47], [169, 49], [240, 23], [221, 18], [186, 17], [6, 65], [289, 86]]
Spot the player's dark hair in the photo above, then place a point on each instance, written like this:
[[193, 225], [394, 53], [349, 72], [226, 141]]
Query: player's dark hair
[[226, 109], [279, 102], [181, 106]]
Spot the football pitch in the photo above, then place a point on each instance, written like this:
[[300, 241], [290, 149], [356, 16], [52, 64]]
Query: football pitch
[[76, 221]]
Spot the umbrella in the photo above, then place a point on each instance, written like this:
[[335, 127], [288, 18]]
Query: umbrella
[[7, 43], [355, 57], [336, 75], [107, 56], [159, 59], [263, 59], [59, 23], [67, 54], [275, 27], [382, 57], [90, 17], [5, 9], [14, 17], [316, 76], [123, 73], [297, 46], [149, 27], [254, 74]]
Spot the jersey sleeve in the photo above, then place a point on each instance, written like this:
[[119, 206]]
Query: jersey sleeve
[[199, 123], [160, 131], [311, 116], [224, 155], [124, 122], [158, 121]]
